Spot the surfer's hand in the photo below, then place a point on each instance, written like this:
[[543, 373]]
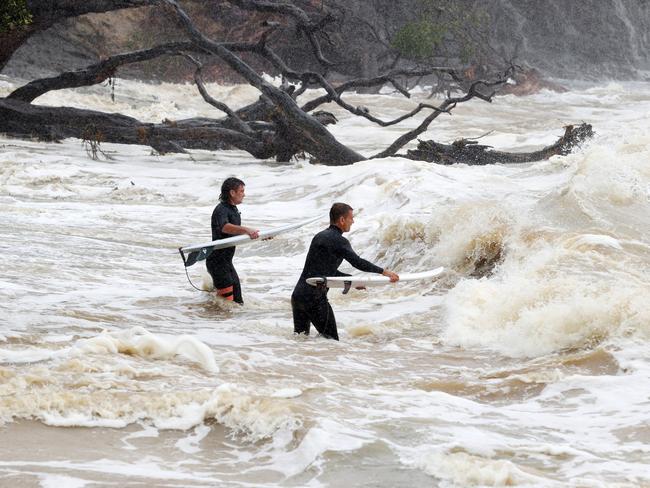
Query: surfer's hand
[[253, 233], [393, 276]]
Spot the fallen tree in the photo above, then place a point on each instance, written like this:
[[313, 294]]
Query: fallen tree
[[468, 151], [277, 125]]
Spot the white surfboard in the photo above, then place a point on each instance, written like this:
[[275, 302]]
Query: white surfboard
[[347, 282], [198, 252]]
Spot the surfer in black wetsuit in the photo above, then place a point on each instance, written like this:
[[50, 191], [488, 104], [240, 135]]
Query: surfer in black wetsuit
[[327, 250], [226, 222]]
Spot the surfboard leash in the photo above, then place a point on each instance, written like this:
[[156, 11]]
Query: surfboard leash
[[186, 273]]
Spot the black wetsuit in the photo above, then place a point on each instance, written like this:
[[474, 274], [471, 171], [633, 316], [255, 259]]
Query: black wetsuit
[[219, 262], [309, 303]]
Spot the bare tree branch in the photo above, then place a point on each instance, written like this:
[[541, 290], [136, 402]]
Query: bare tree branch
[[368, 82], [401, 141], [97, 73], [198, 79], [316, 138], [304, 24], [447, 106]]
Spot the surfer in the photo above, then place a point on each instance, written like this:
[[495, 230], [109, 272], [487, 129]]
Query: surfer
[[328, 249], [226, 222]]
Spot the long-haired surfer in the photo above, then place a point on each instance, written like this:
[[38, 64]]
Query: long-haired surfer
[[226, 222]]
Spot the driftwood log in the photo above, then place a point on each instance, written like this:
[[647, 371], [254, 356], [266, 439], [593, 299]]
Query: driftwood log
[[468, 151]]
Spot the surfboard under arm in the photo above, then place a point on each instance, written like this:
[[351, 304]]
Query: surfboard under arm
[[199, 252], [347, 282]]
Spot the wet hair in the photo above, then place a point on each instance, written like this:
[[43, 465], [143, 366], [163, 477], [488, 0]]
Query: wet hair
[[339, 210], [231, 183]]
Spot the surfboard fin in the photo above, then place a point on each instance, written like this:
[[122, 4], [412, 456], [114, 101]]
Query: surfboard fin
[[180, 250], [346, 287], [194, 256]]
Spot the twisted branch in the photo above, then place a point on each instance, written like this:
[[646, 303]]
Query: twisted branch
[[303, 23], [96, 73], [198, 79]]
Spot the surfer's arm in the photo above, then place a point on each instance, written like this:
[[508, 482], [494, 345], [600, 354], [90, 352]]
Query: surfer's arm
[[358, 262], [237, 230], [361, 264]]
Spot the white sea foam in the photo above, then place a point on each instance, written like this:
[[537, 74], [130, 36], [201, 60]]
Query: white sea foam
[[139, 341], [462, 469], [61, 481], [525, 363], [190, 444], [66, 401]]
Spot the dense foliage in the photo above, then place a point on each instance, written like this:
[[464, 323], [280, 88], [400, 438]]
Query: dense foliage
[[443, 30], [13, 14], [418, 40]]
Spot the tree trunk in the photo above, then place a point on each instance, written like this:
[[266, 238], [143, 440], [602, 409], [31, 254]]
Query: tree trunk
[[469, 152], [22, 119]]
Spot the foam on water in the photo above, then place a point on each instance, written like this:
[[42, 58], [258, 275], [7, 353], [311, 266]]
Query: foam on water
[[462, 469], [94, 393], [564, 285], [524, 364], [140, 342]]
